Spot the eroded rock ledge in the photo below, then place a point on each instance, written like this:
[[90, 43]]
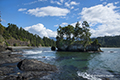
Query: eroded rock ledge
[[12, 67]]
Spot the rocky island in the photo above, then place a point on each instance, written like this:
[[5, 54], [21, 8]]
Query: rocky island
[[76, 38]]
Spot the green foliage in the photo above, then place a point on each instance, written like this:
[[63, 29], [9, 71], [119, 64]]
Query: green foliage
[[108, 41], [70, 34], [1, 29], [12, 31], [7, 44]]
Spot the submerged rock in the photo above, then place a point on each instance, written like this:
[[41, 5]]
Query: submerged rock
[[35, 65]]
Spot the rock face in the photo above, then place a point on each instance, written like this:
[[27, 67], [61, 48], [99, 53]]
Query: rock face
[[35, 65], [92, 48], [78, 48], [9, 58], [75, 47]]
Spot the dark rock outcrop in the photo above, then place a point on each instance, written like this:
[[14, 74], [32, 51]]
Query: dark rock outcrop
[[35, 65], [9, 48], [53, 48], [92, 48], [75, 47], [79, 48]]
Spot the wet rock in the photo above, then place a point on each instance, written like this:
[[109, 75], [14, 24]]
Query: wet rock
[[53, 48], [6, 70], [9, 58], [35, 65], [9, 48]]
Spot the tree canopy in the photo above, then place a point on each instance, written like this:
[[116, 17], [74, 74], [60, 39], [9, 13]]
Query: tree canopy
[[70, 34], [12, 31]]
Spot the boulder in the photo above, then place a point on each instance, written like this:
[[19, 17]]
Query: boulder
[[9, 48], [35, 65], [53, 48]]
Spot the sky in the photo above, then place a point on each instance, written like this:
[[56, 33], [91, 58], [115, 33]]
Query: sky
[[43, 17]]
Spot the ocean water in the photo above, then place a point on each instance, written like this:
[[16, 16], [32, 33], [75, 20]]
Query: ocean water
[[79, 65]]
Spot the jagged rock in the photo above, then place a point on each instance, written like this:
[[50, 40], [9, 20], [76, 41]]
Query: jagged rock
[[5, 70], [35, 65], [9, 58]]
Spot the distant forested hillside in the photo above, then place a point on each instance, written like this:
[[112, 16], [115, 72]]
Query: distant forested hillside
[[109, 41], [12, 32]]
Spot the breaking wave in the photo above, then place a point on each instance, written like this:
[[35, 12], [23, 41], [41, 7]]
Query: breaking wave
[[87, 76]]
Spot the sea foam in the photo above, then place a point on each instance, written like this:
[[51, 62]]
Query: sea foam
[[32, 52], [87, 76]]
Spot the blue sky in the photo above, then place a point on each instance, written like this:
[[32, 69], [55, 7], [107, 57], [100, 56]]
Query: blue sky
[[43, 17]]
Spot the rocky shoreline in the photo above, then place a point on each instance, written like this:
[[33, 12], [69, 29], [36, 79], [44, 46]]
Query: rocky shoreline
[[14, 67]]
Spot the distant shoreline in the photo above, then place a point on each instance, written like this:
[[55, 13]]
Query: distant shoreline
[[109, 47]]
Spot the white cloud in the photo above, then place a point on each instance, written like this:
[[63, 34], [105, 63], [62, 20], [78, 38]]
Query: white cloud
[[22, 9], [3, 20], [56, 25], [106, 19], [117, 2], [33, 2], [104, 3], [59, 3], [76, 9], [42, 0], [66, 4], [74, 3], [70, 5], [62, 25], [48, 11], [40, 30]]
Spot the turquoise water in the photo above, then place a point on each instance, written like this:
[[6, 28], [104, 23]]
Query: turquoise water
[[79, 65]]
